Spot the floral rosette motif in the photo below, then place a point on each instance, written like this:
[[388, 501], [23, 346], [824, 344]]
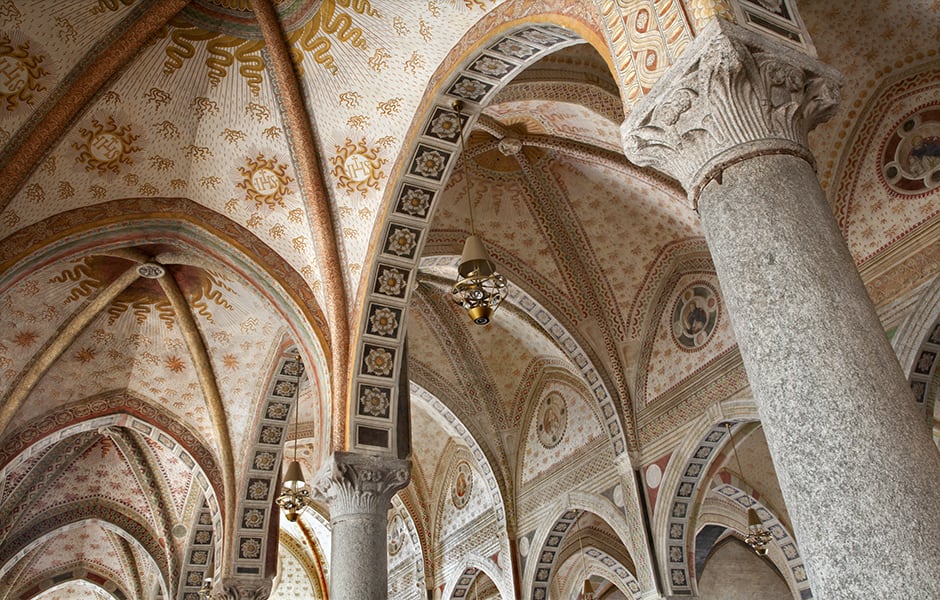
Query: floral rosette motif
[[374, 402], [391, 282], [446, 125], [402, 242], [430, 164], [415, 202], [379, 362], [384, 321]]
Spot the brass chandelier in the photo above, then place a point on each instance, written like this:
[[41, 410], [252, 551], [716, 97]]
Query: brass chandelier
[[479, 288], [295, 493], [757, 535]]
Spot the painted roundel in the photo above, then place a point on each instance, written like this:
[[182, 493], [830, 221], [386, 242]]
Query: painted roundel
[[552, 420], [463, 485], [694, 316], [911, 157], [396, 535]]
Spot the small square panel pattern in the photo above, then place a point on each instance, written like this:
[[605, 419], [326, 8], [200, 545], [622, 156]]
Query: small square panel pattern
[[925, 366], [430, 158], [684, 494], [255, 500]]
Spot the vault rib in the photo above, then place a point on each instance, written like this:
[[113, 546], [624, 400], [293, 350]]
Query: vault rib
[[210, 391], [324, 234]]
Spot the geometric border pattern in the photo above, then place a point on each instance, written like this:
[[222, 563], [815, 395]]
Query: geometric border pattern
[[83, 572], [479, 458], [433, 156], [256, 498], [626, 577], [203, 546], [680, 509], [464, 582], [551, 549], [924, 368], [548, 553]]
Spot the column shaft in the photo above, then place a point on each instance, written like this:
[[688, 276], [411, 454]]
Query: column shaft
[[359, 566], [358, 489], [855, 462]]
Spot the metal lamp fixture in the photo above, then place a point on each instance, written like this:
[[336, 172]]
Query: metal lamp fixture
[[479, 289], [757, 535], [206, 590], [295, 494]]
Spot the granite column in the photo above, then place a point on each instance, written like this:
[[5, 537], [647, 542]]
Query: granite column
[[358, 489], [855, 462]]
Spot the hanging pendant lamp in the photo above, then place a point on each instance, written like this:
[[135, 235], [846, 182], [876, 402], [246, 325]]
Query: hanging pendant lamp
[[757, 535], [479, 288], [295, 494]]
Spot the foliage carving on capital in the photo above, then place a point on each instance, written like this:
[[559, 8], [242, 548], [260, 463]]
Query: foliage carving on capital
[[243, 588], [734, 94], [353, 483]]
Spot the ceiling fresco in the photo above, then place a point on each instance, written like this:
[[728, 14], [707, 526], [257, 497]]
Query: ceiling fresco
[[176, 230]]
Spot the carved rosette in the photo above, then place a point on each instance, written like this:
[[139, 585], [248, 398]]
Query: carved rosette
[[357, 483], [243, 588], [734, 94]]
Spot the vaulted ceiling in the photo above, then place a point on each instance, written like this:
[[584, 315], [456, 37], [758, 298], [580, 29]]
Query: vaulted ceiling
[[198, 195]]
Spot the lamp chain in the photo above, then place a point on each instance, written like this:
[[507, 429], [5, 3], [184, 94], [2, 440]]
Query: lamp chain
[[734, 449], [458, 105]]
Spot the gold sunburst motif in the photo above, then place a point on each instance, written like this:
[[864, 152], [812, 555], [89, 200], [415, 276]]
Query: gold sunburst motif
[[265, 181], [106, 146], [20, 73], [357, 167]]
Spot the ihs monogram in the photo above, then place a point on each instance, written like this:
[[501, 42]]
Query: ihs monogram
[[104, 147], [20, 73], [265, 181]]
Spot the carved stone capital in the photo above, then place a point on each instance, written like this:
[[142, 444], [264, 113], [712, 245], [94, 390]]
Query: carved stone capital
[[734, 94], [353, 483], [242, 588]]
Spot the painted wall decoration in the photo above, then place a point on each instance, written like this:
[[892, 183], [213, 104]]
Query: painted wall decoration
[[552, 420], [694, 316], [911, 154], [463, 485], [22, 72], [396, 535]]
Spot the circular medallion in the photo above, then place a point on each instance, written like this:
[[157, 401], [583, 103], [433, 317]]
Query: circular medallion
[[265, 181], [463, 485], [552, 420], [618, 496], [151, 270], [654, 476], [694, 316], [396, 535], [910, 163], [106, 147], [15, 76]]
